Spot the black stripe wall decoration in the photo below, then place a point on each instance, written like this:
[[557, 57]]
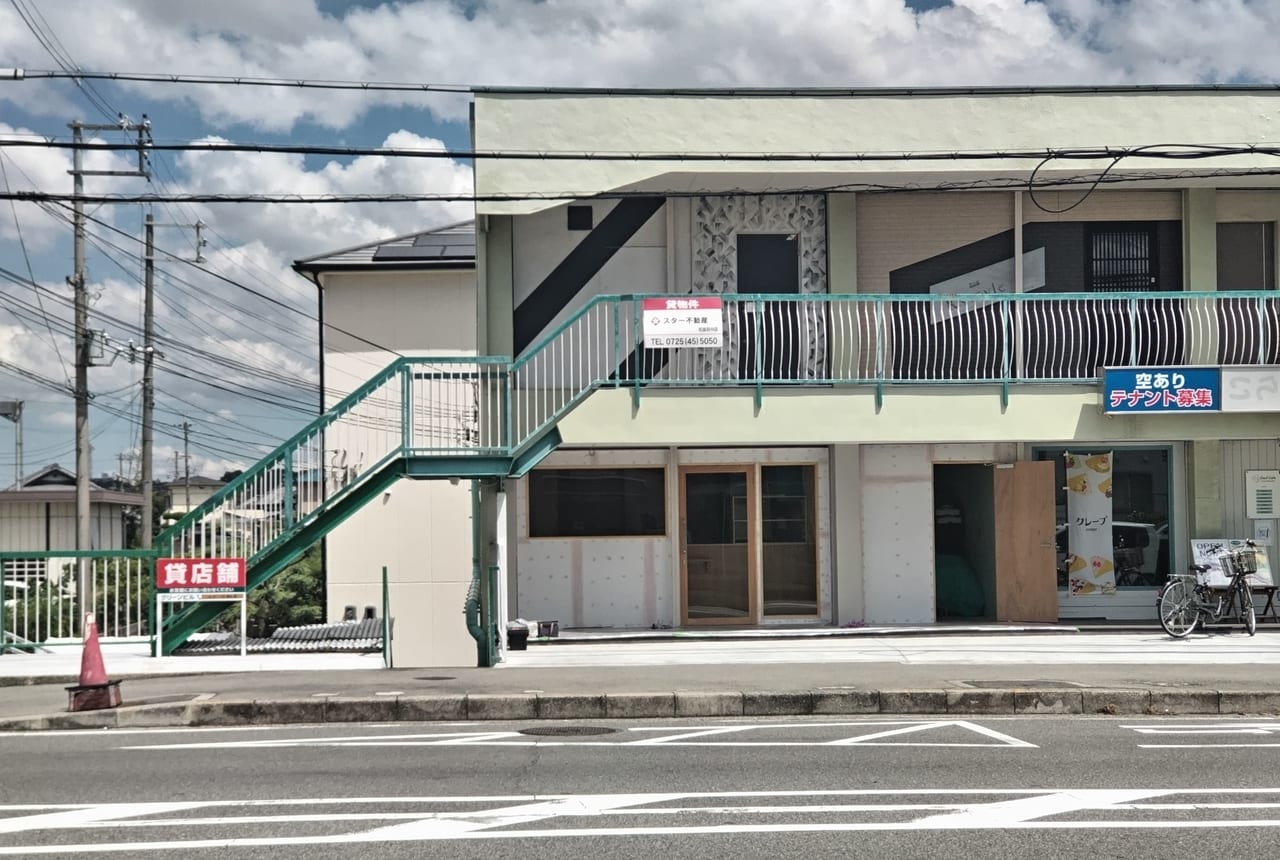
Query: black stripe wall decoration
[[582, 264]]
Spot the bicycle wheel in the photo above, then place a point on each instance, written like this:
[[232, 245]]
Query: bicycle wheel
[[1247, 612], [1179, 609]]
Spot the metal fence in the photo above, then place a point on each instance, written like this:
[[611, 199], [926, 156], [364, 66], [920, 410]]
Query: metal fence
[[43, 607]]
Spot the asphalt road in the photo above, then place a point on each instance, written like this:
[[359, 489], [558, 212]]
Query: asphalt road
[[1059, 787]]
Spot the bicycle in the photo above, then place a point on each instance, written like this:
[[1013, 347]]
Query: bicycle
[[1187, 601]]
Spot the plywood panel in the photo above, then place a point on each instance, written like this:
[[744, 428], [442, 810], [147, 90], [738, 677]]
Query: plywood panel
[[1026, 584], [897, 534]]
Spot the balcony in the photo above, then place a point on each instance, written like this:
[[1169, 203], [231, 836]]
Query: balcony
[[888, 340]]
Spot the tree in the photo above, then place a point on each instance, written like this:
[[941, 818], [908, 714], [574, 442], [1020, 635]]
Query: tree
[[292, 597]]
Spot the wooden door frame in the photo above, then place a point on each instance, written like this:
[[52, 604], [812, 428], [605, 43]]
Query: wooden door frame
[[752, 472]]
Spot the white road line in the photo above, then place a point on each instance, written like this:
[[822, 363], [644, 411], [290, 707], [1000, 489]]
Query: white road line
[[1007, 812], [1206, 746], [672, 737], [690, 733], [1023, 810], [1159, 728], [93, 815], [463, 823]]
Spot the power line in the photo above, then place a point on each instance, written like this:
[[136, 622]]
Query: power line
[[221, 80], [234, 283], [1176, 151], [990, 183], [757, 92]]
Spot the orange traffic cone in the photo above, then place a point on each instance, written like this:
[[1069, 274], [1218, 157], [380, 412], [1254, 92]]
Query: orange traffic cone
[[94, 691]]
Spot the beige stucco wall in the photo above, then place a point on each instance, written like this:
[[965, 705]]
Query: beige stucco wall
[[420, 530], [961, 413], [405, 312], [940, 122]]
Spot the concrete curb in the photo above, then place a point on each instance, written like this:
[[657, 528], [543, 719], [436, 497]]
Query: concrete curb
[[656, 705]]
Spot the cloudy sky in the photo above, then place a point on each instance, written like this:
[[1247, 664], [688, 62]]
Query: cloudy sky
[[239, 329]]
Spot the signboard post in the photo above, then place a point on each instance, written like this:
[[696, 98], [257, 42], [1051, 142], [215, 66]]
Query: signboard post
[[191, 580], [683, 322]]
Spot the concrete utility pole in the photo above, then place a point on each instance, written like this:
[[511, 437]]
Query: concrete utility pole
[[83, 338], [148, 380], [186, 458], [12, 409], [148, 367]]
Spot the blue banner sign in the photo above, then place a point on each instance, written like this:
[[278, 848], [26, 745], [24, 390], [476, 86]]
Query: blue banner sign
[[1161, 389]]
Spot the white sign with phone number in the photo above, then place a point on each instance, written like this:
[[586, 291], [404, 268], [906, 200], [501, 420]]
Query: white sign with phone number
[[683, 322]]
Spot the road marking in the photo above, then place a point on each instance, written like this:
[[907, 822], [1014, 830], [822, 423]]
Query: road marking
[[670, 737], [1207, 746], [1207, 728], [1005, 740], [687, 735], [959, 809]]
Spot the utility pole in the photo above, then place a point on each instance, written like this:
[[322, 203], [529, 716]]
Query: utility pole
[[148, 367], [148, 380], [83, 338], [186, 459], [12, 409]]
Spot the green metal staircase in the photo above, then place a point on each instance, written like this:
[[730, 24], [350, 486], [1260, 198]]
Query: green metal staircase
[[459, 417]]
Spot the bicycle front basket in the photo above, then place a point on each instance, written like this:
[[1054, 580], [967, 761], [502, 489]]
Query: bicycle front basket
[[1241, 563]]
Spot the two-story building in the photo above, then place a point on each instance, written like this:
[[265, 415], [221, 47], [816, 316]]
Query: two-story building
[[914, 297], [835, 356]]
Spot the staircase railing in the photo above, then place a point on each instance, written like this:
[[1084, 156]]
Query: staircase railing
[[439, 406]]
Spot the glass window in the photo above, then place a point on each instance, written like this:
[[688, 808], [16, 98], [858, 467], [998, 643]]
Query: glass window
[[597, 503], [1246, 256], [788, 530], [1140, 492]]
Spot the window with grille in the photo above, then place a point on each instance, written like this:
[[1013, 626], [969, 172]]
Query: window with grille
[[1121, 257]]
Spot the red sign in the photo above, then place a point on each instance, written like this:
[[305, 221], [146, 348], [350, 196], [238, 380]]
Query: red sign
[[200, 574]]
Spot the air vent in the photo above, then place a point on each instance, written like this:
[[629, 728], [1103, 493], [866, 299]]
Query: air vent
[[581, 218]]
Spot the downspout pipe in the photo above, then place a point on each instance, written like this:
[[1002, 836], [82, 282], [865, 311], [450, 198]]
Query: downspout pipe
[[475, 626]]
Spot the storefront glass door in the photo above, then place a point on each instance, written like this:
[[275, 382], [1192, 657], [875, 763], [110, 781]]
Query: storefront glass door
[[718, 544]]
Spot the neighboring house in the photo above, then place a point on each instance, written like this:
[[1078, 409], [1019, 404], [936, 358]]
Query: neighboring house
[[905, 341], [409, 295], [42, 516], [186, 494]]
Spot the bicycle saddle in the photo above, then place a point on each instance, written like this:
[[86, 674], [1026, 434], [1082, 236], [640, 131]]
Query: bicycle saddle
[[1201, 568]]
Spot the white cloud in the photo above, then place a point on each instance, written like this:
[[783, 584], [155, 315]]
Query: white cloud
[[639, 43], [307, 230]]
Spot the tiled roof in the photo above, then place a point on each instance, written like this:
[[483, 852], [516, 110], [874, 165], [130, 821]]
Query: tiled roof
[[449, 247], [353, 636]]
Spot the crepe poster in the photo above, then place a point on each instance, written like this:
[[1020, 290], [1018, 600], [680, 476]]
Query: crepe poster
[[1091, 566]]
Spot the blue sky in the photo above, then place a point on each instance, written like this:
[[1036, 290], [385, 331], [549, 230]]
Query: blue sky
[[242, 369]]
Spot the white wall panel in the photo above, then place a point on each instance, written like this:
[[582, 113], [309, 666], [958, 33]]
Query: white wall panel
[[897, 525], [1237, 458]]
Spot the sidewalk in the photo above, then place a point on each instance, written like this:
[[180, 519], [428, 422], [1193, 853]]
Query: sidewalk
[[867, 671]]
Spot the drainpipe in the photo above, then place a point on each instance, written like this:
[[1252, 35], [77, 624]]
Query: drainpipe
[[484, 643]]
